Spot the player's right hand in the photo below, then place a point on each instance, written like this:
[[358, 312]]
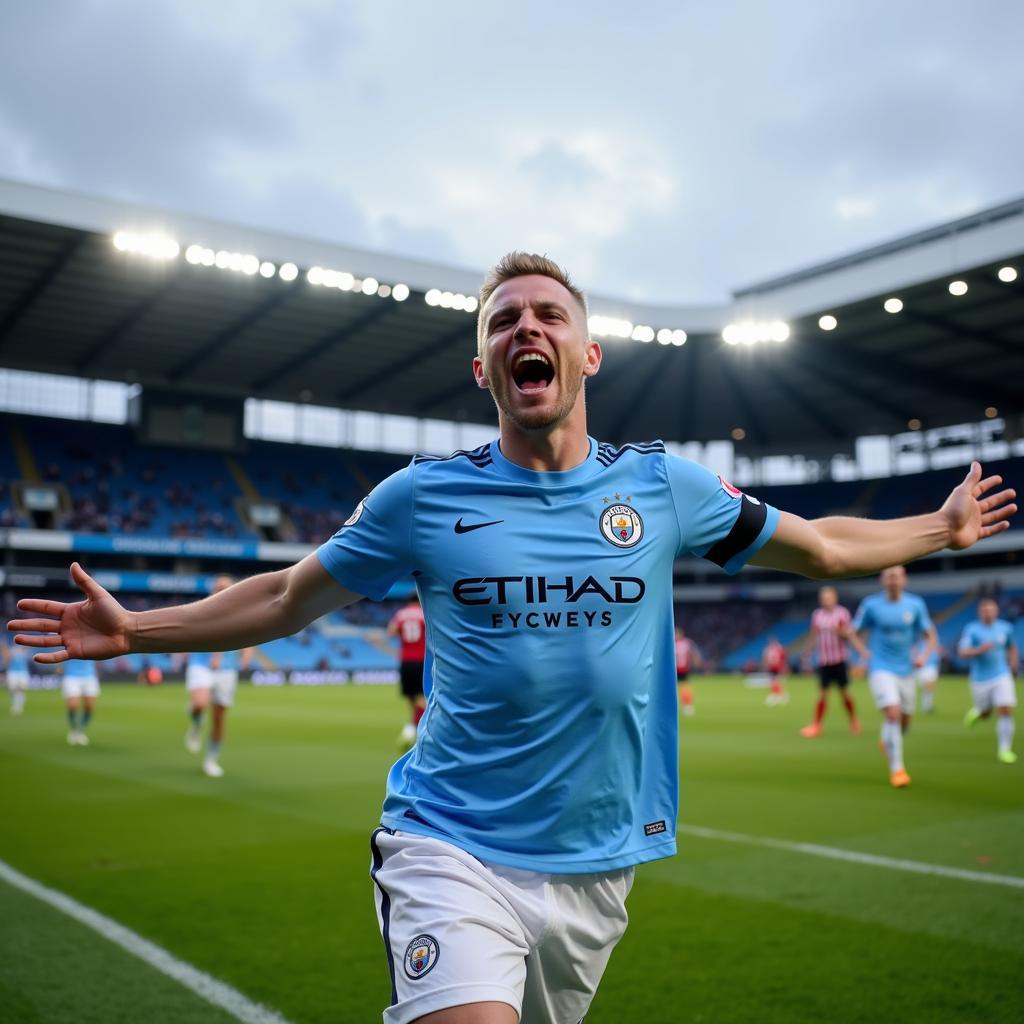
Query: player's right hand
[[93, 629]]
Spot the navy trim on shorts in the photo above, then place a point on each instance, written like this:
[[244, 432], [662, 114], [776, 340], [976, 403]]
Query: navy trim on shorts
[[385, 907]]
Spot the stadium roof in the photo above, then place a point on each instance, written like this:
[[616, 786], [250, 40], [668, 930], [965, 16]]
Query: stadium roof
[[72, 302]]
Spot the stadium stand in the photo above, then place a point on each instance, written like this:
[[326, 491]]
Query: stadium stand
[[111, 484]]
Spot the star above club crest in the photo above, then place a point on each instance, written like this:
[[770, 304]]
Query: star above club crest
[[617, 496]]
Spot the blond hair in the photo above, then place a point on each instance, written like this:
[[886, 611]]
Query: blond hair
[[522, 264]]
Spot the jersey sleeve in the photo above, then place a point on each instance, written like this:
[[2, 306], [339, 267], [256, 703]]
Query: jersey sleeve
[[373, 548], [717, 521], [862, 620]]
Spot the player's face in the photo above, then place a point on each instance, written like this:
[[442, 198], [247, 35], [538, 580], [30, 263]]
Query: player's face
[[535, 352], [827, 597], [988, 611], [893, 580]]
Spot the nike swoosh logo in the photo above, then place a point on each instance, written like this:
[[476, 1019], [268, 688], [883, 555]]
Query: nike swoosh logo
[[459, 528]]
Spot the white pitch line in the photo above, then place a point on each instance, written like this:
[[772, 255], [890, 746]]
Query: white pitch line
[[856, 857], [203, 985]]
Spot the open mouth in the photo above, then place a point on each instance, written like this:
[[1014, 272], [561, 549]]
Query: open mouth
[[532, 372]]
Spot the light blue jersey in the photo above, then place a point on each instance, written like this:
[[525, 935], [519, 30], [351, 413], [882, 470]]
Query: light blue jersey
[[993, 662], [549, 740], [203, 659], [895, 627], [18, 658], [76, 669]]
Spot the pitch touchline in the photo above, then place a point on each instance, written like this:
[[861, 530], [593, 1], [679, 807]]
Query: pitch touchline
[[203, 985], [836, 853]]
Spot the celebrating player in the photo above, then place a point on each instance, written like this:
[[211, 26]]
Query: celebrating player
[[80, 687], [546, 765], [687, 654], [830, 629], [989, 644], [411, 629], [896, 621], [773, 661], [212, 679], [16, 670]]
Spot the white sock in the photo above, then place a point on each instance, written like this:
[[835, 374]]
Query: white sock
[[17, 699], [892, 740], [927, 699], [1004, 732]]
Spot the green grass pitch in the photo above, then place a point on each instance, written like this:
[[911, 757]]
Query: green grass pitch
[[260, 878]]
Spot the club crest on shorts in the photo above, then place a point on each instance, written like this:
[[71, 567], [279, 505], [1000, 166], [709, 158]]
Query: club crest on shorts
[[420, 956], [622, 526]]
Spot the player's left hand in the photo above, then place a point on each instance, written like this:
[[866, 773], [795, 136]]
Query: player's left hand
[[973, 513]]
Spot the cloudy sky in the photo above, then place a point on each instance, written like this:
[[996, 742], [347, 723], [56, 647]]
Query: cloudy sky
[[670, 152]]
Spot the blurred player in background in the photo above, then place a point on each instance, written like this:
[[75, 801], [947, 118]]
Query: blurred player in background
[[16, 670], [410, 627], [928, 678], [774, 662], [826, 642], [688, 657], [988, 643], [550, 767], [80, 687], [211, 679], [895, 621]]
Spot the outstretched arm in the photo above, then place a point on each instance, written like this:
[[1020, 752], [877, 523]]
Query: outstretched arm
[[251, 612], [840, 546]]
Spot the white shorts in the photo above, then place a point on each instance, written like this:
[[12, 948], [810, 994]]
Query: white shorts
[[17, 680], [198, 677], [888, 689], [927, 675], [458, 930], [999, 692], [224, 682], [80, 686]]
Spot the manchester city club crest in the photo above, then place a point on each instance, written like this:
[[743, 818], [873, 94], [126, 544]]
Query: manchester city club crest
[[420, 956], [622, 525]]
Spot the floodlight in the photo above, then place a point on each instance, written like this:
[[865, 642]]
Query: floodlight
[[893, 305], [828, 322], [400, 292], [1007, 274], [288, 272], [958, 287]]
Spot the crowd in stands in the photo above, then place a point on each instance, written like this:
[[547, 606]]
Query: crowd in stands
[[720, 627]]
